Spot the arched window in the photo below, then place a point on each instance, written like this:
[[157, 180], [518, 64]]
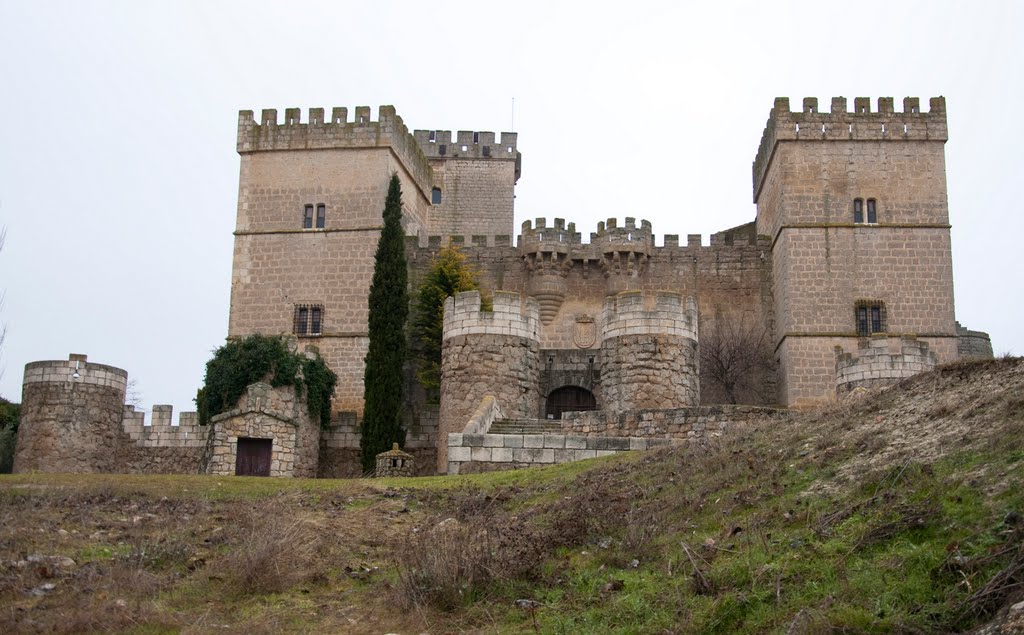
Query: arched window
[[435, 196], [858, 210], [568, 399], [872, 213]]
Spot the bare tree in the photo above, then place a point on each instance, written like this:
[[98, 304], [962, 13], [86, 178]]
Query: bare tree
[[737, 364]]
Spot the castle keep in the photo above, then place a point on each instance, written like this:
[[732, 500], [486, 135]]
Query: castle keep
[[843, 279]]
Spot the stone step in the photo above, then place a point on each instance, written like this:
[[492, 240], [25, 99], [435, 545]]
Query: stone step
[[525, 426]]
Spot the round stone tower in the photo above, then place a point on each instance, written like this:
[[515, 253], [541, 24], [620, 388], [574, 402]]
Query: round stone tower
[[487, 353], [71, 413], [649, 353]]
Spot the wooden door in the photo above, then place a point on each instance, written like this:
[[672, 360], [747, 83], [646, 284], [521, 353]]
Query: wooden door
[[253, 457], [569, 398]]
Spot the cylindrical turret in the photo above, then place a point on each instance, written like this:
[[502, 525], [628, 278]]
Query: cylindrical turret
[[649, 356], [71, 414], [625, 253], [546, 253], [487, 353]]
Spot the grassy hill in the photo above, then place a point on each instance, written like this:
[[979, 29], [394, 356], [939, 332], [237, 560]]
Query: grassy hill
[[895, 511]]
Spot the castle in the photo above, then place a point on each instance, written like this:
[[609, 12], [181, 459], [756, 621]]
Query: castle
[[843, 279]]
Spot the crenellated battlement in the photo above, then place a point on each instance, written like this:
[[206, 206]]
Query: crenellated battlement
[[512, 315], [162, 432], [885, 124], [541, 238], [468, 144], [76, 370], [320, 132], [627, 235], [662, 313]]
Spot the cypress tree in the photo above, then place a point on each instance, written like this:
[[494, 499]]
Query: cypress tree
[[389, 308]]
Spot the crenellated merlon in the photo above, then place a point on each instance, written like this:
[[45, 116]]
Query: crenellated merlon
[[468, 144], [324, 133], [557, 238], [629, 235], [841, 125]]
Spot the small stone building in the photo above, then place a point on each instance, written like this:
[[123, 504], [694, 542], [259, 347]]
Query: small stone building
[[394, 462], [269, 434]]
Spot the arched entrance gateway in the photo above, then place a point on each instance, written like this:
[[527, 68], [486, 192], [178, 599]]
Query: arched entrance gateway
[[568, 399]]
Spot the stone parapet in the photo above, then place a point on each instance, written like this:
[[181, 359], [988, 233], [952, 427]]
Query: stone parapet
[[628, 314], [511, 316], [468, 144], [323, 133], [840, 125], [881, 361], [162, 432], [78, 370]]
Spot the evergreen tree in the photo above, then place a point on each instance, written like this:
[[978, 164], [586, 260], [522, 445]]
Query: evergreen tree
[[389, 309], [449, 274]]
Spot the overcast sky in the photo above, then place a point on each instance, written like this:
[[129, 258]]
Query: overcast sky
[[119, 176]]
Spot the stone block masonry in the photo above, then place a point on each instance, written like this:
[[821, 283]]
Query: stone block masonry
[[587, 435], [71, 417], [881, 361], [475, 453], [649, 354], [488, 353]]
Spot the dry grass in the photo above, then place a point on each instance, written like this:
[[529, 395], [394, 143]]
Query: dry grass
[[274, 551], [444, 566]]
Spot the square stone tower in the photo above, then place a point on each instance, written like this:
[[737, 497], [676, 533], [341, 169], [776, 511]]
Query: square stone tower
[[855, 206], [310, 201]]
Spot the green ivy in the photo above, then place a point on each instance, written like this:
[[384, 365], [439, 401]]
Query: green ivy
[[246, 361]]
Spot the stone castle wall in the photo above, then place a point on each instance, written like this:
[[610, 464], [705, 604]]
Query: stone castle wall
[[730, 278]]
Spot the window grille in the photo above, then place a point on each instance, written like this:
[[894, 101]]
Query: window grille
[[309, 320], [870, 317]]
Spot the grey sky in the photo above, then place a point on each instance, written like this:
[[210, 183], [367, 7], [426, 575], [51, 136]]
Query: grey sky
[[118, 174]]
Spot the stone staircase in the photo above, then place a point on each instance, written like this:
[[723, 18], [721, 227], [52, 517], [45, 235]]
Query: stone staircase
[[525, 426]]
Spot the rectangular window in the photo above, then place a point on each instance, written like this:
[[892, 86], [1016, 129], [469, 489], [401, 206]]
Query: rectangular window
[[858, 210], [321, 215], [307, 217], [309, 319], [870, 317], [872, 216]]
